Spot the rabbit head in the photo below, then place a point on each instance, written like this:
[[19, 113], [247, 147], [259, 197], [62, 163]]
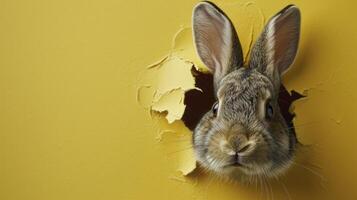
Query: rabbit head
[[245, 134]]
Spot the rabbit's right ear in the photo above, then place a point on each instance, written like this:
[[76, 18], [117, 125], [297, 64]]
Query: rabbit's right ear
[[216, 40], [276, 48]]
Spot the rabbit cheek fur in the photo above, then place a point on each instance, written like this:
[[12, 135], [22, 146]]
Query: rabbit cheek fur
[[240, 123], [245, 134]]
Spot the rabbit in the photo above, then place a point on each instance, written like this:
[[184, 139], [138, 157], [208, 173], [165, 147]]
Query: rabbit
[[244, 135]]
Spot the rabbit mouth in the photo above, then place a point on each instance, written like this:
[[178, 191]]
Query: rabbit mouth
[[244, 169], [234, 165], [237, 165]]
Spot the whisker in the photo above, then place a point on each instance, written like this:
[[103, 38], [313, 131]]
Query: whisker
[[311, 171], [261, 188], [285, 188], [269, 188], [209, 182]]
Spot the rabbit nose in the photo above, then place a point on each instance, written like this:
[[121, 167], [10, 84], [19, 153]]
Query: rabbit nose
[[244, 148], [227, 148], [237, 141], [234, 150], [236, 145], [236, 160]]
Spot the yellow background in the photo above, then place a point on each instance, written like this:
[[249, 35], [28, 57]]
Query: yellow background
[[70, 127]]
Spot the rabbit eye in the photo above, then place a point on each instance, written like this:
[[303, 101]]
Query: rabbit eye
[[215, 108], [269, 111]]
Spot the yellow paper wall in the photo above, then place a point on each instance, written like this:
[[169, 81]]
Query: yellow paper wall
[[70, 127]]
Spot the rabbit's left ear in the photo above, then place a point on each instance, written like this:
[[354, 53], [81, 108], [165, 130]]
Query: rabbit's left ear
[[276, 48]]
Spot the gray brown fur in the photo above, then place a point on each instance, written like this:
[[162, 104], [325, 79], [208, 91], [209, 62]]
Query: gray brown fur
[[239, 141]]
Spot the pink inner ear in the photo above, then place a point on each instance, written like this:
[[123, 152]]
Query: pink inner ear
[[212, 32], [286, 38], [214, 40]]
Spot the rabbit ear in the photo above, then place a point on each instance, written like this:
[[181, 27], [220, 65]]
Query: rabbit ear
[[276, 47], [216, 40]]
